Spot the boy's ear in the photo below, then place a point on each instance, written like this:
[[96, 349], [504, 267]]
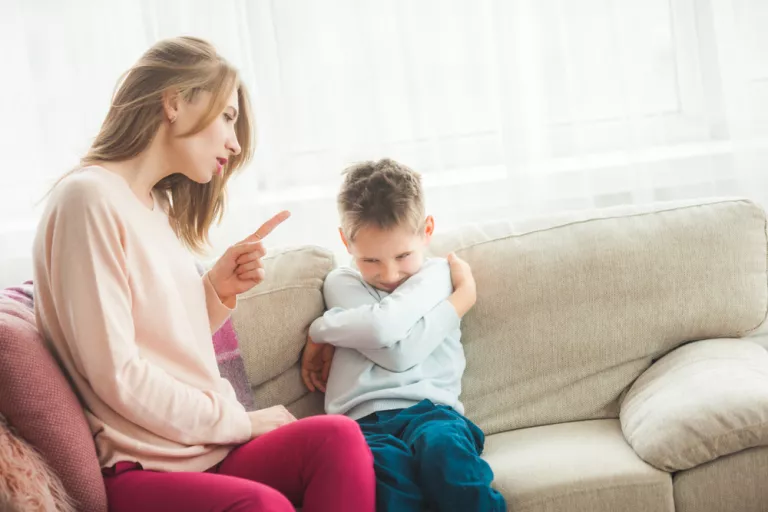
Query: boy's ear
[[429, 227], [344, 240]]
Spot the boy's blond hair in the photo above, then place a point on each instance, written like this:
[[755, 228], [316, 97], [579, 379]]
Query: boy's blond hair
[[384, 194]]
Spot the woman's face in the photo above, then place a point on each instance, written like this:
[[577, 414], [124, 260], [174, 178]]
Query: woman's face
[[203, 154]]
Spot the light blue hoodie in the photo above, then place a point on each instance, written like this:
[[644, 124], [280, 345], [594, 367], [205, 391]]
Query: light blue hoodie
[[392, 350]]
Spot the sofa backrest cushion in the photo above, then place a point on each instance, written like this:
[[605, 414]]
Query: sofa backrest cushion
[[570, 309], [571, 312], [272, 320]]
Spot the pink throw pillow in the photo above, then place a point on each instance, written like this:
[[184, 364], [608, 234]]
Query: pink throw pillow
[[38, 401]]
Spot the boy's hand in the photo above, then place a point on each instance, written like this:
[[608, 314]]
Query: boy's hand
[[267, 420], [465, 291], [316, 364]]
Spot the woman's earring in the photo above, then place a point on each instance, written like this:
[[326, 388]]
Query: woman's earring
[[172, 119]]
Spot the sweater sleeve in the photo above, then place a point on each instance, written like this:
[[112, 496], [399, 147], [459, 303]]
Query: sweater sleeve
[[218, 311], [356, 318], [89, 282], [424, 338]]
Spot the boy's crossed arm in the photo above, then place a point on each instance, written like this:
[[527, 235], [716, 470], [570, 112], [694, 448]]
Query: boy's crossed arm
[[357, 319], [429, 332], [396, 333], [403, 329]]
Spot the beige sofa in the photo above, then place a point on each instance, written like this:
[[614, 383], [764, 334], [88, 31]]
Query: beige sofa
[[571, 311]]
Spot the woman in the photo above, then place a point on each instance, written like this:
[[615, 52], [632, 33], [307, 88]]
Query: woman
[[121, 302]]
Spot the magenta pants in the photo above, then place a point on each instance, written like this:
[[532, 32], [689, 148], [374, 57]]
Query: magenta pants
[[320, 463]]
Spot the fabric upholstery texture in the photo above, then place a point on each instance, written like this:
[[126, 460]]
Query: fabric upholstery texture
[[701, 401], [39, 403], [583, 466]]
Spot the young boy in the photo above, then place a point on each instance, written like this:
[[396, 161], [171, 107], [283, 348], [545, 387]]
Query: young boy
[[398, 360]]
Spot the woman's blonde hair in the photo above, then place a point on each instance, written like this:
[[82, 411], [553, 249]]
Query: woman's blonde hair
[[187, 66]]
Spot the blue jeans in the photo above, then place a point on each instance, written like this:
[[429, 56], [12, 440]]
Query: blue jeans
[[428, 456]]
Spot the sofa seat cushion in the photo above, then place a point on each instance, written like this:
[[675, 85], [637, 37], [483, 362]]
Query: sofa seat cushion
[[582, 466], [730, 483], [701, 401]]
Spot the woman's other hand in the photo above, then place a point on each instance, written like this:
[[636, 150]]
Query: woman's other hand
[[267, 420]]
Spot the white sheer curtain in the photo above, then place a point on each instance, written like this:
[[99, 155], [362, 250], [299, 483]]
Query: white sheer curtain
[[507, 107]]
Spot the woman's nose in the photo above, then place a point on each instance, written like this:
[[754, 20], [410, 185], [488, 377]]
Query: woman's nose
[[233, 146]]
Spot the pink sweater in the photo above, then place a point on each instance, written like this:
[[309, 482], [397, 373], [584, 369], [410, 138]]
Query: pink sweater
[[119, 299]]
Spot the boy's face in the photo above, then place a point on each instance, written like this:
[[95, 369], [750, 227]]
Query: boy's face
[[388, 257]]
